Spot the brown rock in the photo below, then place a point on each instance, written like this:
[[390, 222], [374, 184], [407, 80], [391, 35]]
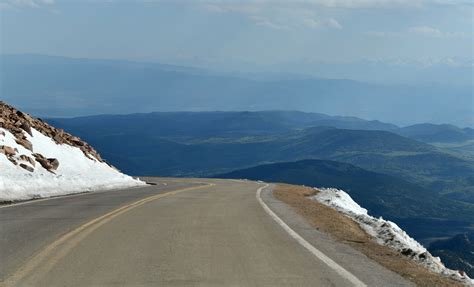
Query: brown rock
[[9, 151], [27, 167], [26, 127], [49, 164], [28, 159], [76, 141], [19, 123], [88, 155], [25, 143], [54, 163], [16, 130], [38, 155], [58, 138], [44, 163]]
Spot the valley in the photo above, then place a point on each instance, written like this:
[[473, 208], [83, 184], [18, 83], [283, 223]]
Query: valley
[[421, 186], [176, 144]]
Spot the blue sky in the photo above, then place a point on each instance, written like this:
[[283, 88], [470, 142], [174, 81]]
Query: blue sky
[[243, 34]]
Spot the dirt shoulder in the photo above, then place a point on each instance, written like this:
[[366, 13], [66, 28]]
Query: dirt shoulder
[[344, 229]]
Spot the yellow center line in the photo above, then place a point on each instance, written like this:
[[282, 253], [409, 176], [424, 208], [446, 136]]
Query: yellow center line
[[54, 252]]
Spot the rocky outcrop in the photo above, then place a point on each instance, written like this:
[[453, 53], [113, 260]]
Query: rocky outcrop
[[51, 164], [8, 151], [20, 124]]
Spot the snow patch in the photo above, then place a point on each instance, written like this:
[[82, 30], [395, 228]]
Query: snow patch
[[76, 173], [386, 232]]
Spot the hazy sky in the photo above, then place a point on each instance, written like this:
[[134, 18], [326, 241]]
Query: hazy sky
[[255, 32]]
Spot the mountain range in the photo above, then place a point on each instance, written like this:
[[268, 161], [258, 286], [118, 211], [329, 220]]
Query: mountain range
[[382, 194], [395, 172], [208, 143], [59, 86]]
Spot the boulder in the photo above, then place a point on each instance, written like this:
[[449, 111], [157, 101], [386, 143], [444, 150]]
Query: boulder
[[16, 130], [27, 167], [25, 143], [44, 163], [26, 127], [49, 164], [12, 160], [9, 151], [78, 142], [54, 163], [28, 159], [58, 139]]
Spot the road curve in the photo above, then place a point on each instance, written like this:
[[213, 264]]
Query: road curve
[[176, 233]]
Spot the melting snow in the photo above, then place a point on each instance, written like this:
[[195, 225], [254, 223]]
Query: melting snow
[[386, 232], [76, 173]]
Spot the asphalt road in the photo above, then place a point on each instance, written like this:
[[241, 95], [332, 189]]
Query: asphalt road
[[175, 233]]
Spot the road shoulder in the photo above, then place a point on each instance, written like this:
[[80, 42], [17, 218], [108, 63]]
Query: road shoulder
[[343, 240]]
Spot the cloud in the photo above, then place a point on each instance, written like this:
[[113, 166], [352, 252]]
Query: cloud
[[356, 4], [425, 31], [269, 24], [376, 34], [433, 32], [283, 16], [315, 24], [347, 4], [311, 23], [23, 4], [214, 8], [333, 23], [383, 34], [225, 7]]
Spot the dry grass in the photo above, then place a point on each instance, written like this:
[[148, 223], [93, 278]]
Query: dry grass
[[345, 230]]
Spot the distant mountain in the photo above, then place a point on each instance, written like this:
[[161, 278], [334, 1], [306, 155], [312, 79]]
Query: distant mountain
[[457, 252], [469, 131], [387, 196], [194, 124], [202, 144], [383, 195], [413, 183], [75, 87], [216, 124], [437, 133]]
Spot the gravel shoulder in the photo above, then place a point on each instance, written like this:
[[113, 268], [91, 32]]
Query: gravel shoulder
[[343, 240]]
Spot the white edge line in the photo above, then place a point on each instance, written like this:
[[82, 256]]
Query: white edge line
[[328, 261]]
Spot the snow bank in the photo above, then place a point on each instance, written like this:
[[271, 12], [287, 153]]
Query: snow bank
[[386, 232], [76, 173]]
